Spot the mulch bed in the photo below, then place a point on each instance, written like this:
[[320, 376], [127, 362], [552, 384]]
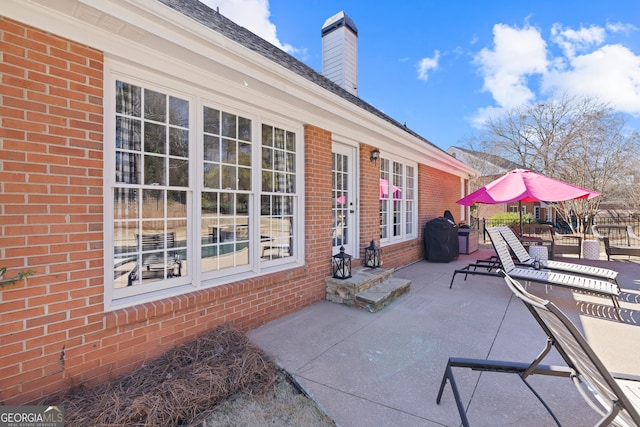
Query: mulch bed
[[180, 388]]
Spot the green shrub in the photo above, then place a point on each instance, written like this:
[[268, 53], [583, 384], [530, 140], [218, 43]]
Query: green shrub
[[510, 218]]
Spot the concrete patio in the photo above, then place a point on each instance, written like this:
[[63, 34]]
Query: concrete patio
[[385, 368]]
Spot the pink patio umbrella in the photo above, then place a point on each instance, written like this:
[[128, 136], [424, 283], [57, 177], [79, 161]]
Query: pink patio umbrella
[[522, 185]]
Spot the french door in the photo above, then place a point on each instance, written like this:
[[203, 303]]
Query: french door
[[344, 199]]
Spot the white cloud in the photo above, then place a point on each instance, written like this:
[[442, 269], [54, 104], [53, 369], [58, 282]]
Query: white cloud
[[572, 41], [254, 16], [610, 73], [480, 118], [516, 54], [427, 64], [519, 67], [620, 27]]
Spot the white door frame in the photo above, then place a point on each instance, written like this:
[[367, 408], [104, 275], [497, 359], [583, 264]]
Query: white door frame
[[348, 209]]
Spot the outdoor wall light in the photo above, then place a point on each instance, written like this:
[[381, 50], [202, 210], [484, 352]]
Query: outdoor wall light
[[342, 265], [375, 155], [372, 255]]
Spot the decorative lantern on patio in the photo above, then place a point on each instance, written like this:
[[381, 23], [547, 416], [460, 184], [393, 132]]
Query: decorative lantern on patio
[[372, 255], [342, 265]]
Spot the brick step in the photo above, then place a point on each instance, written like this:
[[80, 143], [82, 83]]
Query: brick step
[[371, 289]]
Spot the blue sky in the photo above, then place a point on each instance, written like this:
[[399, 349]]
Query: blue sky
[[443, 67]]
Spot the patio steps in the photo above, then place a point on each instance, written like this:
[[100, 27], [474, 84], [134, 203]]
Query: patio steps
[[369, 289]]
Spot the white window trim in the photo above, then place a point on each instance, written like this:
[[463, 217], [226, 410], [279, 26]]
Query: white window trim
[[192, 277], [404, 236]]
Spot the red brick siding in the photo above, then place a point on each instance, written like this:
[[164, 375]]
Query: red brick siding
[[369, 199], [437, 192], [51, 205], [318, 201], [54, 330]]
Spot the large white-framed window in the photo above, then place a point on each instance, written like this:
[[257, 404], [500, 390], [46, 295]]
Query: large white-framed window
[[398, 200], [197, 192]]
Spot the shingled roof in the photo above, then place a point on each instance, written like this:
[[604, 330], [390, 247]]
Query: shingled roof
[[212, 19]]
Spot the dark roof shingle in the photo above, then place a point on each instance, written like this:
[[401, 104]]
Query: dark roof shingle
[[210, 18]]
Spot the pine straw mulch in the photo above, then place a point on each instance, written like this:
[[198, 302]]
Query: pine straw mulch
[[180, 388]]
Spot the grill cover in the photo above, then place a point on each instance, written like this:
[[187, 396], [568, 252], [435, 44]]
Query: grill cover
[[440, 240]]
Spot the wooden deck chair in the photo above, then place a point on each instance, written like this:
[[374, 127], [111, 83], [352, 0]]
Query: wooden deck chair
[[616, 397], [549, 277], [525, 260]]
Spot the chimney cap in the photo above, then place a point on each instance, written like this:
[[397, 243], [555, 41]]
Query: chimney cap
[[338, 20]]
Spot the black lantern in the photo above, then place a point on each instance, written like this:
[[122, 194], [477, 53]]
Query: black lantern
[[342, 265], [372, 255]]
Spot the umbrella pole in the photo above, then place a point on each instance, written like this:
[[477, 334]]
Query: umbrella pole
[[520, 211]]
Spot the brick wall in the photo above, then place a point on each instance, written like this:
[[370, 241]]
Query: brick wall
[[51, 205], [54, 332], [369, 199]]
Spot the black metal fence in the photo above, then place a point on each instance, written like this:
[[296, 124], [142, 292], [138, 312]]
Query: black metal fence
[[482, 223]]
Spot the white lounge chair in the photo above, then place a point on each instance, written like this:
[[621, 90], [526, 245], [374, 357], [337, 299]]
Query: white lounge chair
[[596, 286], [525, 259]]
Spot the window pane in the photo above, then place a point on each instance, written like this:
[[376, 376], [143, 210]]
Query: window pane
[[155, 140], [178, 173], [178, 112], [276, 227], [244, 129], [211, 175], [127, 168], [244, 179], [267, 158], [211, 148], [128, 99], [154, 170], [155, 106], [128, 133], [291, 162], [177, 204], [278, 140], [244, 154], [228, 125], [229, 177], [267, 181], [267, 136], [179, 142], [229, 151], [153, 207], [125, 203], [211, 121], [291, 142]]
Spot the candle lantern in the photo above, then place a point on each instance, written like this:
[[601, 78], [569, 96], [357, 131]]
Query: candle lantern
[[372, 255], [342, 265]]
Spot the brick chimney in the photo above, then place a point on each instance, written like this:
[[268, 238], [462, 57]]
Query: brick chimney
[[340, 52]]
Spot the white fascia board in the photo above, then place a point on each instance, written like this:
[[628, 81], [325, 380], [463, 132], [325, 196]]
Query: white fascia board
[[163, 39]]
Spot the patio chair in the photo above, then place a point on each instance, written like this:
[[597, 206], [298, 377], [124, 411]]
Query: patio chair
[[617, 239], [155, 262], [615, 397], [599, 287], [524, 259], [536, 234]]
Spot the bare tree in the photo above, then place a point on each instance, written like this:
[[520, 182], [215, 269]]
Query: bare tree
[[578, 140]]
